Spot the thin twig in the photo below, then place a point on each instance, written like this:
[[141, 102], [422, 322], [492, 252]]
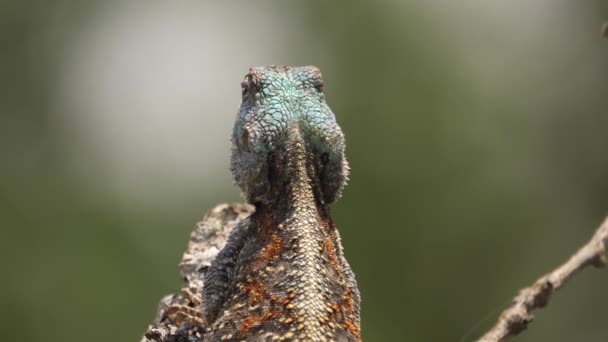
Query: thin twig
[[515, 318]]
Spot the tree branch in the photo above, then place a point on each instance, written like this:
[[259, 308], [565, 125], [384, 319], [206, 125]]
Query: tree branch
[[515, 318], [179, 315]]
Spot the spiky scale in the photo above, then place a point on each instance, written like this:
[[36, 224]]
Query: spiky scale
[[282, 274]]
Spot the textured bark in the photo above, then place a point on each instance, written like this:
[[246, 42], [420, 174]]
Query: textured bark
[[516, 318], [179, 315]]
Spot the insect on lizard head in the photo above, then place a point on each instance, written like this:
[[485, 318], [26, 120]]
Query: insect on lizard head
[[282, 107]]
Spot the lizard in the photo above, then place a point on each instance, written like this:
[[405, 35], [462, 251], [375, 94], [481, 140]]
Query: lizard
[[281, 274]]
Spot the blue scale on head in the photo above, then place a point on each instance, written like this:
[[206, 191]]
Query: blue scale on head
[[277, 100]]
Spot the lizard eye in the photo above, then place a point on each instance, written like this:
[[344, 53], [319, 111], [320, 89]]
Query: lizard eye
[[249, 87], [319, 87], [245, 88]]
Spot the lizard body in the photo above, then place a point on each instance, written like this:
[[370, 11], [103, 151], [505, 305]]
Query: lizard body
[[282, 274]]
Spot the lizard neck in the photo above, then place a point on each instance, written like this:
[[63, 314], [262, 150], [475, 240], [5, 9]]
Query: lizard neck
[[299, 232]]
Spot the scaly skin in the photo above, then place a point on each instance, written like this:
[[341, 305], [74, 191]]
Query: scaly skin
[[282, 274]]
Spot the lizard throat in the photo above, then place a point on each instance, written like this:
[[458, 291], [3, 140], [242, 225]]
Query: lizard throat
[[294, 182]]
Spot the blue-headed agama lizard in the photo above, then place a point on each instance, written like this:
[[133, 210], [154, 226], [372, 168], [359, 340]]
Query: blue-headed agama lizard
[[281, 275]]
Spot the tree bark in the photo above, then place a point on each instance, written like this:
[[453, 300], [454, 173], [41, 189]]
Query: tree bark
[[516, 318], [178, 317]]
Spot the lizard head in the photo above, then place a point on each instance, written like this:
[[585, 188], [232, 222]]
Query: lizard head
[[281, 104]]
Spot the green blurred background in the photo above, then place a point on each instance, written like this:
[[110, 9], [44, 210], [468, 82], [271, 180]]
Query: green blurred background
[[476, 134]]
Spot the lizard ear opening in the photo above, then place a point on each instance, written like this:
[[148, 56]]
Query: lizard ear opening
[[245, 140], [333, 177]]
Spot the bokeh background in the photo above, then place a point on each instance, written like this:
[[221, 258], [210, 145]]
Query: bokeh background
[[476, 132]]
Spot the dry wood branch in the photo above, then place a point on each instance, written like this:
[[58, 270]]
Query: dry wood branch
[[179, 315], [515, 318]]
